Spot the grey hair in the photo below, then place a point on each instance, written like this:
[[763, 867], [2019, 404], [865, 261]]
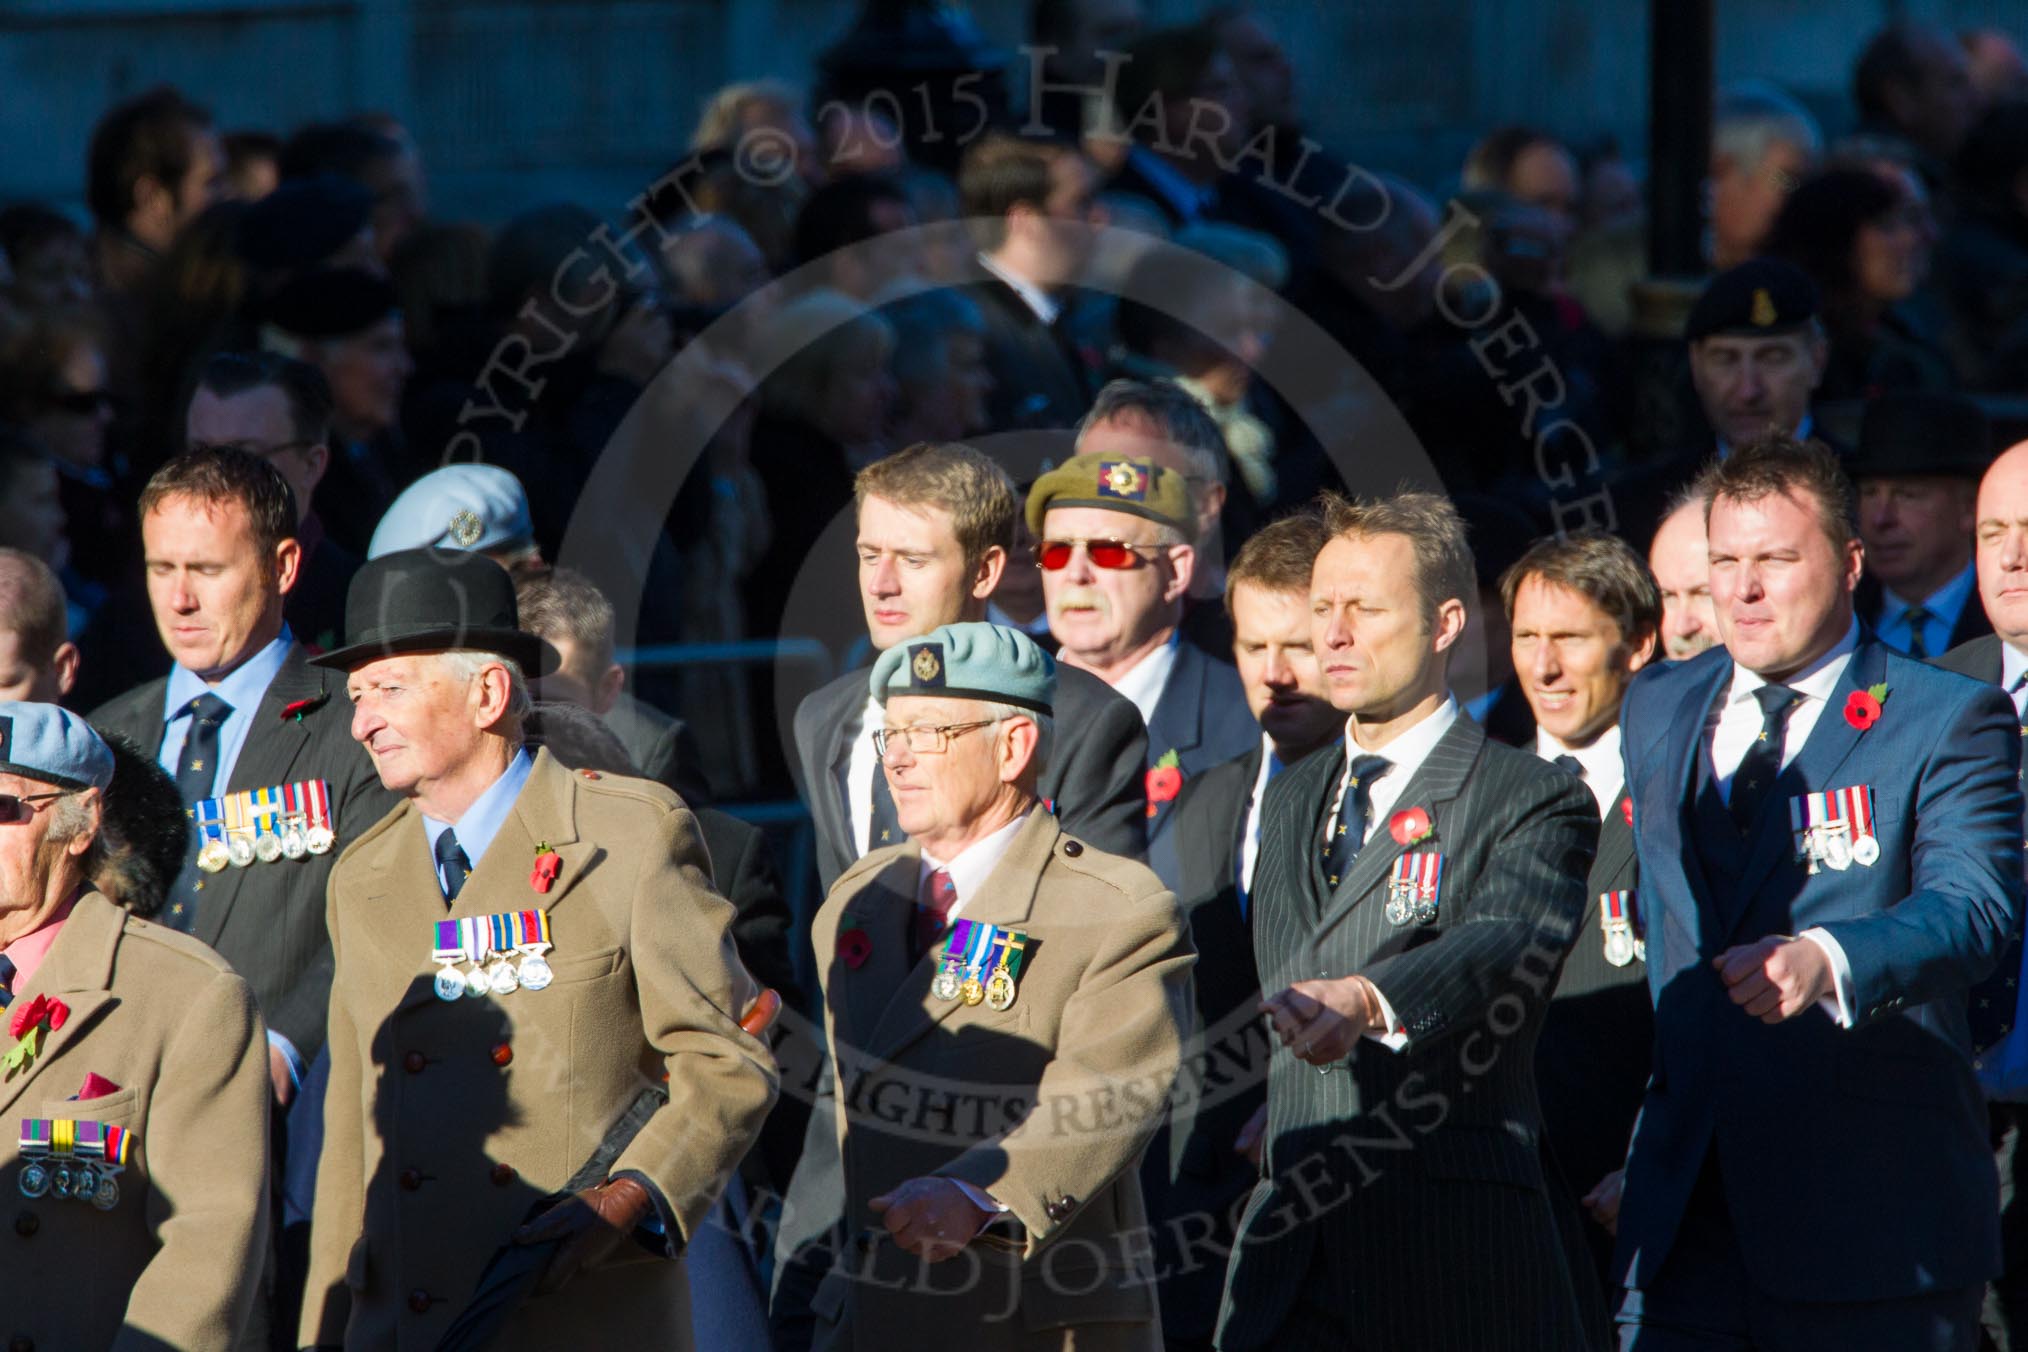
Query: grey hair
[[70, 817], [465, 664], [1045, 727], [1172, 408], [1750, 117]]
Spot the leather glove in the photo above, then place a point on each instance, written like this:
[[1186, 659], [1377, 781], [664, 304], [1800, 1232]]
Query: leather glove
[[590, 1224]]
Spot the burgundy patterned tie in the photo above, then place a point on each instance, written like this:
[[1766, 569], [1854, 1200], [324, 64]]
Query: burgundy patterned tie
[[933, 912]]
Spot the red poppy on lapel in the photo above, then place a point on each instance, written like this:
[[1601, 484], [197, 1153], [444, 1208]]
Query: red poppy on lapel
[[1627, 810], [854, 946], [35, 1012], [1164, 782], [548, 867], [297, 708], [1410, 825], [1862, 707]]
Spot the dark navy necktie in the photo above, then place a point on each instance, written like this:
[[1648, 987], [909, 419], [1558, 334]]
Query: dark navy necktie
[[1569, 764], [1755, 778], [1350, 833], [453, 867], [6, 981], [1917, 617], [197, 767]]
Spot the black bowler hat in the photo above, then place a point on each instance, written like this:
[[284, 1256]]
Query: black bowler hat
[[1909, 433], [1761, 298], [432, 601]]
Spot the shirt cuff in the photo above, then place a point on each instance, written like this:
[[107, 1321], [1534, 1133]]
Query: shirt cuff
[[1839, 1004], [658, 1232], [1396, 1037], [295, 1058], [982, 1200]]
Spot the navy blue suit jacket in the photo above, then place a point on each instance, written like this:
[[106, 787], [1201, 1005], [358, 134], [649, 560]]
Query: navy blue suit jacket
[[1202, 717], [1872, 1138]]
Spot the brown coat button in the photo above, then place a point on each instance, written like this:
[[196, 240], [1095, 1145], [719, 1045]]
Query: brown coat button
[[502, 1175], [411, 1179], [419, 1301], [502, 1054], [1073, 848], [26, 1224], [414, 1062]]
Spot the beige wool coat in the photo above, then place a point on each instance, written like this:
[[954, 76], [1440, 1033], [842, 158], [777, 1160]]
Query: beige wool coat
[[176, 1262], [446, 1120], [1045, 1106]]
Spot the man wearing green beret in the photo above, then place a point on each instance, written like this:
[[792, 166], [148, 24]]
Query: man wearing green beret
[[1005, 1007], [1113, 540]]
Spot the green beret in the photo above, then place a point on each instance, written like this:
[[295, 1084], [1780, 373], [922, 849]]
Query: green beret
[[1136, 485], [969, 661]]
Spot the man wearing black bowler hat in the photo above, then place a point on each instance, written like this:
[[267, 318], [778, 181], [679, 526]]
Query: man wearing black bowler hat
[[520, 951], [1918, 466]]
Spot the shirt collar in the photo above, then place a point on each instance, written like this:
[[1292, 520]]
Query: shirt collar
[[242, 688], [975, 863], [1409, 749], [2012, 663], [1602, 754], [1804, 430], [1945, 603], [1144, 682], [1046, 306], [488, 813], [1816, 681]]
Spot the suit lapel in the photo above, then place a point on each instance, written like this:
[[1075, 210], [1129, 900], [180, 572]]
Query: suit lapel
[[1177, 724], [77, 970], [1439, 780], [835, 757], [1006, 898], [273, 742], [1615, 847], [884, 907], [1689, 728]]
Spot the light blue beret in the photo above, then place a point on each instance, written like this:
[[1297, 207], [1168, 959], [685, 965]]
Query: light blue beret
[[456, 507], [53, 746], [969, 661]]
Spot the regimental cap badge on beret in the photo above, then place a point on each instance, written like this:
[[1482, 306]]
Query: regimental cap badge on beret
[[465, 529], [1122, 479], [926, 664], [1763, 313]]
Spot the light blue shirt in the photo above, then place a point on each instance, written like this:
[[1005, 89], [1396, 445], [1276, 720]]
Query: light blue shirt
[[1944, 605], [487, 814], [1803, 431], [242, 689]]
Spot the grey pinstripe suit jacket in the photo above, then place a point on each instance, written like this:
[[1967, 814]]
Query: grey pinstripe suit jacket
[[1404, 1194]]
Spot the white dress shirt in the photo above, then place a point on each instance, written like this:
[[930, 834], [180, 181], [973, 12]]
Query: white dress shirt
[[1045, 306], [1144, 682], [1604, 773], [974, 864], [1944, 605], [1405, 755], [1739, 723], [2014, 666], [861, 765], [1249, 844]]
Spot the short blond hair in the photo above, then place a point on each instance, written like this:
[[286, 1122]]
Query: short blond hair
[[954, 477]]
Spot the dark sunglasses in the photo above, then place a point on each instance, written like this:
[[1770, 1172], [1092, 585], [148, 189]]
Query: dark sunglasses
[[1055, 555], [18, 808]]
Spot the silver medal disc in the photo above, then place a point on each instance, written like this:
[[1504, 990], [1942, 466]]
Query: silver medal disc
[[60, 1182], [450, 985], [293, 844], [501, 978], [1397, 911], [107, 1195], [945, 986], [319, 839], [34, 1179], [1837, 852], [535, 973], [86, 1185], [267, 847], [1619, 947], [476, 982], [240, 851], [1866, 851]]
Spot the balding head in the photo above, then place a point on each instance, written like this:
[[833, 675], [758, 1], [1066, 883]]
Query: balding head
[[37, 660], [2002, 550]]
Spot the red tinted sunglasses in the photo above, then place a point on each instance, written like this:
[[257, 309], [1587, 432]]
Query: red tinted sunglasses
[[1054, 555]]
